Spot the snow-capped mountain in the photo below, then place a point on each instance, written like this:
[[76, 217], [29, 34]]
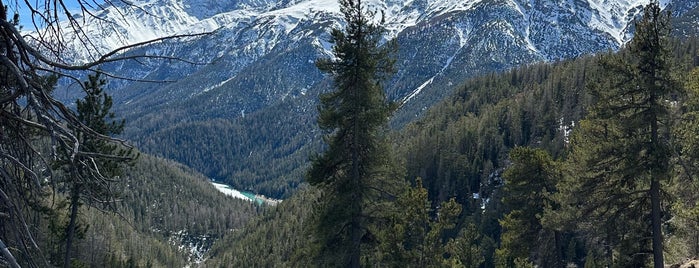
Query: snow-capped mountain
[[126, 23], [498, 33], [260, 56]]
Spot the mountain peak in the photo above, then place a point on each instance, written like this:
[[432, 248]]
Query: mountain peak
[[262, 56]]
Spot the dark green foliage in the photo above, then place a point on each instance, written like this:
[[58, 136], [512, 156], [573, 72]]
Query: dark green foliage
[[620, 153], [167, 197], [244, 152], [279, 238], [466, 250], [460, 147], [414, 234], [92, 184], [355, 172], [94, 110], [685, 208], [529, 181], [409, 235], [165, 205], [165, 210]]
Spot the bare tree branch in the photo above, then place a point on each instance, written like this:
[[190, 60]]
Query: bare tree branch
[[8, 256], [37, 130]]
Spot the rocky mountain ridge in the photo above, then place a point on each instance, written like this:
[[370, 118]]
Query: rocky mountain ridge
[[126, 23], [257, 67]]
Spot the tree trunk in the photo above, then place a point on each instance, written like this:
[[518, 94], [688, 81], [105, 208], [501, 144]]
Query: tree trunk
[[70, 230], [355, 225], [356, 244], [658, 261], [656, 212], [559, 261], [356, 228]]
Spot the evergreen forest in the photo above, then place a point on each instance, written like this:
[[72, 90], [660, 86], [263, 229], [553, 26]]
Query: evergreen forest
[[585, 162]]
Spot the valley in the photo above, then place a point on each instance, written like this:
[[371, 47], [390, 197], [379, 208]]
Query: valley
[[493, 126], [259, 63]]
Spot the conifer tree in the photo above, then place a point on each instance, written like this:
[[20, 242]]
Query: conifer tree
[[620, 153], [686, 146], [31, 115], [413, 236], [528, 183], [355, 168], [92, 186]]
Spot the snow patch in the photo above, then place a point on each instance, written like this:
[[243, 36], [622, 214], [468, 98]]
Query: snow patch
[[565, 129], [417, 91], [217, 85], [527, 31], [227, 190], [307, 8], [607, 16]]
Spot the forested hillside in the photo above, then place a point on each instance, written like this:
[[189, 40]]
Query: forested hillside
[[169, 216], [584, 162], [434, 56], [259, 72], [278, 232], [514, 150], [246, 151]]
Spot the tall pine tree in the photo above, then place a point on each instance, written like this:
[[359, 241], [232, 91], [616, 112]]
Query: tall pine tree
[[92, 186], [354, 170], [620, 154]]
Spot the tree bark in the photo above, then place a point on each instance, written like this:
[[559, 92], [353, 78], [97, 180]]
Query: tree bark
[[70, 230], [656, 170], [658, 261], [355, 225]]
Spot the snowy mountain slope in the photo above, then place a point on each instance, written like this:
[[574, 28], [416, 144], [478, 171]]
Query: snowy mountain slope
[[124, 24], [252, 28], [496, 35], [118, 26], [261, 56]]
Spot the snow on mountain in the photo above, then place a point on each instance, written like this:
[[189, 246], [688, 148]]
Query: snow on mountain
[[118, 26], [481, 32], [613, 17], [260, 55], [443, 37], [139, 21]]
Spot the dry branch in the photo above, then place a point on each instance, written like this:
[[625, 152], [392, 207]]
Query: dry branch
[[30, 117]]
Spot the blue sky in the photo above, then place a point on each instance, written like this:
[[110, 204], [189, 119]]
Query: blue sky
[[24, 16]]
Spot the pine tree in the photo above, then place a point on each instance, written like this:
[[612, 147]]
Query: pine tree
[[528, 183], [465, 250], [415, 234], [404, 238], [92, 186], [354, 170], [620, 152], [686, 145]]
